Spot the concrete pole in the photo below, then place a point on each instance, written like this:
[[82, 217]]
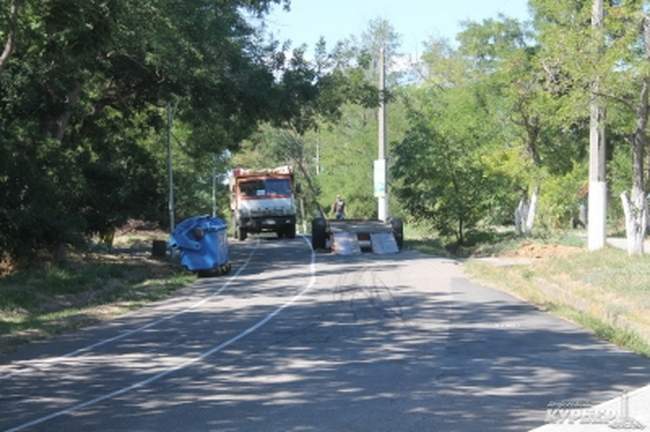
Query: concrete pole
[[597, 219], [382, 199], [170, 172]]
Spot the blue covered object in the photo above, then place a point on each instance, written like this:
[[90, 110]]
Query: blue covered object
[[203, 244]]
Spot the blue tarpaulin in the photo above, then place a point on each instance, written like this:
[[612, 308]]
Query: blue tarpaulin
[[202, 242]]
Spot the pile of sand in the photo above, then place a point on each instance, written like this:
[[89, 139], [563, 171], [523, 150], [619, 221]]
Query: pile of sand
[[543, 250]]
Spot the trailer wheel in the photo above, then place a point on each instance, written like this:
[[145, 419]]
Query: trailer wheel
[[318, 233], [398, 231], [240, 233]]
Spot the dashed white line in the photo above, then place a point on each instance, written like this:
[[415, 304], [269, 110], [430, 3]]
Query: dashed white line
[[39, 364], [160, 375]]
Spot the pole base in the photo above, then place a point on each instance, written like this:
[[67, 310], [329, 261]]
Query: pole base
[[597, 218]]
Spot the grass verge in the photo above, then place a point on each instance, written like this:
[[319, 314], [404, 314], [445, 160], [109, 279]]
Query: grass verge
[[605, 291], [88, 288], [492, 241]]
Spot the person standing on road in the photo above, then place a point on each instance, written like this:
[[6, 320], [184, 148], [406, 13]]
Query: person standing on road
[[338, 208]]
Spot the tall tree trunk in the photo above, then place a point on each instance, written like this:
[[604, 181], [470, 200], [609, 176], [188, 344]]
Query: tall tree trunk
[[10, 44], [62, 121], [532, 210], [635, 205], [527, 208], [521, 213], [526, 212]]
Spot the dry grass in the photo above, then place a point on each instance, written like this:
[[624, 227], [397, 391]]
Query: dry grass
[[606, 291], [88, 288]]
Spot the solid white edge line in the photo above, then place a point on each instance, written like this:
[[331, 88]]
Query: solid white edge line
[[38, 365], [158, 376]]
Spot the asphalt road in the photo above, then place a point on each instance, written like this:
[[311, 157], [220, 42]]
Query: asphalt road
[[296, 341]]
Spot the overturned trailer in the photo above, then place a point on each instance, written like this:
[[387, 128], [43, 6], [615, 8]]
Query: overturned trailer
[[352, 236]]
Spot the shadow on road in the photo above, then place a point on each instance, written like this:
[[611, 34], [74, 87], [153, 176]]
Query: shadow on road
[[355, 353]]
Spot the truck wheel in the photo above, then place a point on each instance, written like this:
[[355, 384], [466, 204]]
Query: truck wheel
[[318, 233], [241, 233], [398, 231], [290, 232]]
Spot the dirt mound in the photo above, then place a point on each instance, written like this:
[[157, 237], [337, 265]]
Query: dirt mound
[[133, 225], [543, 250], [7, 265]]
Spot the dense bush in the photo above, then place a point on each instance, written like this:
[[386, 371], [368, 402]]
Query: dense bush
[[561, 196]]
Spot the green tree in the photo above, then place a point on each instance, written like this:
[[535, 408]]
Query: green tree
[[81, 92], [504, 57], [439, 170], [606, 65]]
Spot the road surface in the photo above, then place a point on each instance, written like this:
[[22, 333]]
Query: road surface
[[296, 341]]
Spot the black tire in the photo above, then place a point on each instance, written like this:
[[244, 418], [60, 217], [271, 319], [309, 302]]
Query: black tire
[[241, 233], [290, 232], [159, 249], [217, 271], [318, 233], [398, 231]]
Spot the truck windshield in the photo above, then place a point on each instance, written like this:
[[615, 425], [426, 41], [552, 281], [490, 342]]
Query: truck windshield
[[252, 188], [265, 187], [277, 187]]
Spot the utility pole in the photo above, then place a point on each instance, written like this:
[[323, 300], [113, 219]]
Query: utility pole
[[597, 218], [214, 187], [381, 187], [170, 173], [318, 154]]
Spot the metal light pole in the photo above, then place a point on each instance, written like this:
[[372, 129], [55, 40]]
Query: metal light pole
[[597, 217], [381, 187], [170, 173], [214, 188]]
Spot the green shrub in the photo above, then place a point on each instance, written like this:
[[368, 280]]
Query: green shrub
[[561, 196]]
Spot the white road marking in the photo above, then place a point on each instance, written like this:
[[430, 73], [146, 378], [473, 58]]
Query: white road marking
[[158, 376], [39, 364]]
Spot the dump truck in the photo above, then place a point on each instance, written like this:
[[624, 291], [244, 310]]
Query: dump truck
[[263, 201]]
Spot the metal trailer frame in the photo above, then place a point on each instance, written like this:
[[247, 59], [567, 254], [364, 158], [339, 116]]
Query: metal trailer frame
[[324, 229]]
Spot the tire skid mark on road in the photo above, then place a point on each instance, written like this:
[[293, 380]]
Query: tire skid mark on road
[[366, 286], [185, 364], [40, 365]]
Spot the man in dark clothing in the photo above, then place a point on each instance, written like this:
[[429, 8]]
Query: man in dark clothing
[[338, 208]]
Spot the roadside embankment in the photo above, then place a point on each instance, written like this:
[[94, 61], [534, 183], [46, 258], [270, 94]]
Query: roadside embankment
[[88, 287], [606, 291]]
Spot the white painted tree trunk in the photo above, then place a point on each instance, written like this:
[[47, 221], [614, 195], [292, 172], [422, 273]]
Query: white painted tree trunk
[[520, 215], [532, 211], [526, 212], [636, 210], [636, 205]]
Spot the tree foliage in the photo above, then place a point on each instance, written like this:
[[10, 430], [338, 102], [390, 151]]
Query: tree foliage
[[439, 167], [82, 97]]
